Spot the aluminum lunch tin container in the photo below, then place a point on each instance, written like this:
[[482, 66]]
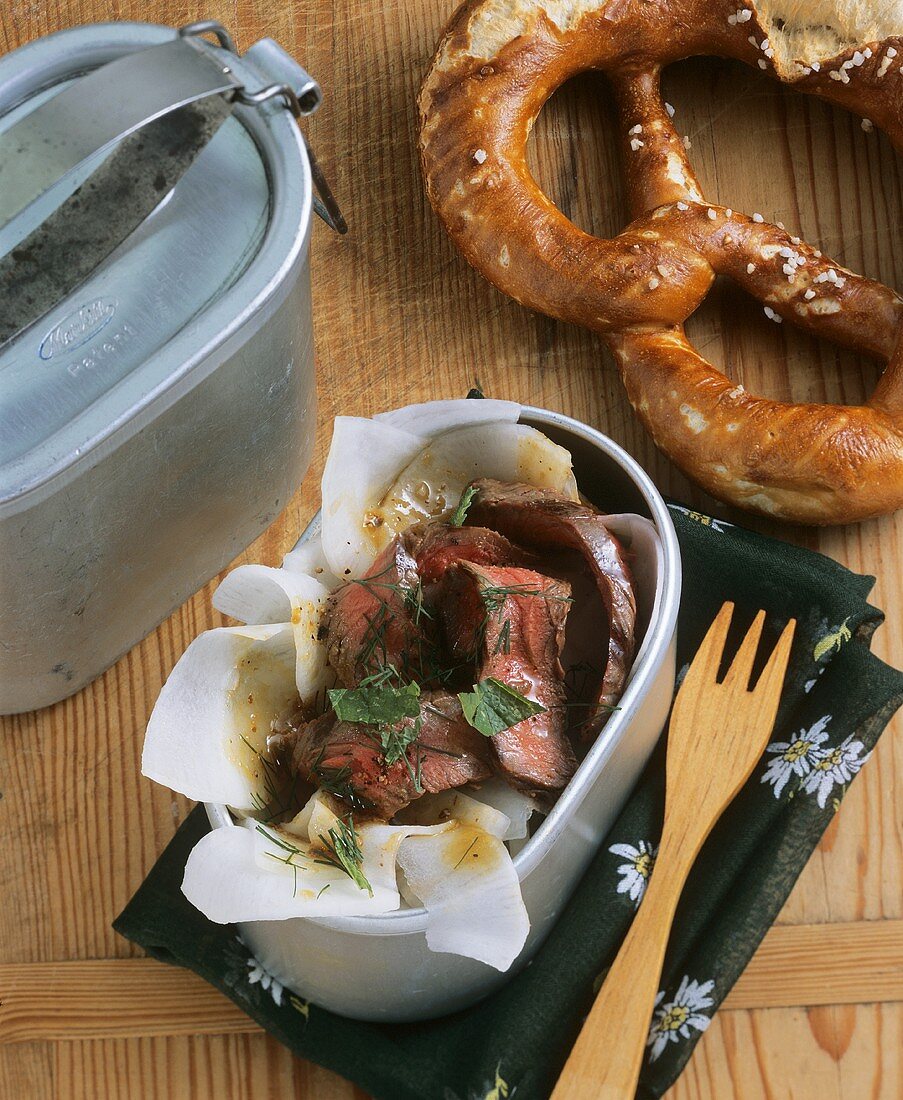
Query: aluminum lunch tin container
[[380, 968], [158, 415]]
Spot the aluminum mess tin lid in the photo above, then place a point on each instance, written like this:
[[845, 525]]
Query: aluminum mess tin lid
[[157, 394], [103, 359]]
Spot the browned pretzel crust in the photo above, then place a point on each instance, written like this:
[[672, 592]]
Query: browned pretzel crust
[[499, 62]]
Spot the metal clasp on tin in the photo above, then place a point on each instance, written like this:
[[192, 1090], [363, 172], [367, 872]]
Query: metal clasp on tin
[[301, 101]]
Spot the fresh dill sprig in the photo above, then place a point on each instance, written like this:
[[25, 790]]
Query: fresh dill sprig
[[373, 652], [494, 595], [383, 674], [394, 741], [343, 851], [337, 782], [414, 605], [467, 851], [411, 594], [374, 649], [460, 513], [278, 795], [290, 849], [503, 642]]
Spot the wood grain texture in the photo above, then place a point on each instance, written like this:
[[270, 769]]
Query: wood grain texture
[[796, 965], [399, 318]]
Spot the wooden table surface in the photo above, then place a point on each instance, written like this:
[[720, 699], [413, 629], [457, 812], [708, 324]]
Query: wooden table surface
[[399, 318]]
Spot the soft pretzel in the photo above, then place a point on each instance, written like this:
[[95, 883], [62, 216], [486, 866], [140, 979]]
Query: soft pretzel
[[499, 62]]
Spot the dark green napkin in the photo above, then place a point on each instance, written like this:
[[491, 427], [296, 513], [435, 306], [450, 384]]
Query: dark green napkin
[[838, 699]]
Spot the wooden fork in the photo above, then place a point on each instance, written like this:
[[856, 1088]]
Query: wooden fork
[[717, 734]]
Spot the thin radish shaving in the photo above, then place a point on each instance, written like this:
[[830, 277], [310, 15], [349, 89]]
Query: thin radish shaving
[[261, 594], [255, 872], [215, 710], [467, 882]]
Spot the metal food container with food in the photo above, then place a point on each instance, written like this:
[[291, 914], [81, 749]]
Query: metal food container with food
[[158, 417], [380, 968]]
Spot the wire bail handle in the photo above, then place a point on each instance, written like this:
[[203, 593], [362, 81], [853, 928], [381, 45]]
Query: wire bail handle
[[301, 102]]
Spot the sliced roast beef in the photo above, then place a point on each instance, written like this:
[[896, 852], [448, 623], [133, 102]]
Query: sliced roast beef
[[435, 546], [379, 620], [348, 757], [545, 521], [510, 621]]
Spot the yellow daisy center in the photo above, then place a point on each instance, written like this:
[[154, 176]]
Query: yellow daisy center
[[831, 760], [797, 750], [643, 864], [674, 1018]]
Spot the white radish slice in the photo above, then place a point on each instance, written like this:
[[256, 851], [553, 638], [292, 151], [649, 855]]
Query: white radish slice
[[308, 557], [430, 485], [515, 805], [234, 874], [261, 594], [215, 712], [364, 458], [467, 882], [432, 417], [258, 872], [432, 809]]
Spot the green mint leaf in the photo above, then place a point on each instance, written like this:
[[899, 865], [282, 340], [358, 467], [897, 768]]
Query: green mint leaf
[[460, 513], [493, 706], [378, 704], [394, 742]]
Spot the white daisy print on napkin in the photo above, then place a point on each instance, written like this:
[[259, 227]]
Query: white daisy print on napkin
[[636, 871], [672, 1020], [835, 767], [796, 757], [258, 973]]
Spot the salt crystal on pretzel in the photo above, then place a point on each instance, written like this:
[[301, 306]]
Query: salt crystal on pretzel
[[499, 62]]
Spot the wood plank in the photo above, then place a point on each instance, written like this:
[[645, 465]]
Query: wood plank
[[833, 1053], [841, 1053], [233, 1067], [92, 999], [28, 1070]]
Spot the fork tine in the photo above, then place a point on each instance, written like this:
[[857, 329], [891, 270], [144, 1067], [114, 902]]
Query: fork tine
[[741, 667], [704, 666], [772, 678]]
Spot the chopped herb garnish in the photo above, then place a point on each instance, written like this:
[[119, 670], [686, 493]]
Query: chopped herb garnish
[[337, 782], [373, 654], [288, 859], [413, 603], [494, 595], [394, 740], [279, 790], [376, 704], [493, 706], [467, 851], [342, 851], [503, 642], [460, 513]]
